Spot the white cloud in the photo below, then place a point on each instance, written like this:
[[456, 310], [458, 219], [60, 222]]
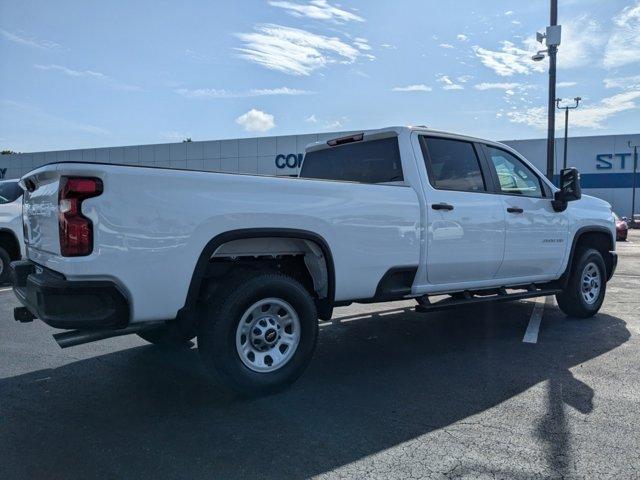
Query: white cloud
[[362, 43], [632, 82], [589, 116], [509, 60], [318, 10], [446, 45], [112, 82], [71, 72], [566, 84], [420, 87], [496, 86], [447, 83], [256, 121], [462, 37], [509, 13], [623, 47], [335, 124], [311, 118], [389, 46], [29, 41], [582, 41], [255, 92], [295, 51]]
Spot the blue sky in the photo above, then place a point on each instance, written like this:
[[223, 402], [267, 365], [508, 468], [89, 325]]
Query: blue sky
[[88, 73]]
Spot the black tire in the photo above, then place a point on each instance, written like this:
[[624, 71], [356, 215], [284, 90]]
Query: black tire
[[219, 323], [571, 300], [5, 260]]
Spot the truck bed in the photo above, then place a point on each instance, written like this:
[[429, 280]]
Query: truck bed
[[152, 224]]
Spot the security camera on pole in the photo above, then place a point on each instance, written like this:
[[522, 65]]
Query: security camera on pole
[[552, 38]]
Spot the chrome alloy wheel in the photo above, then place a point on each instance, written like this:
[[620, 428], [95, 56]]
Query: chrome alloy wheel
[[268, 335], [590, 283]]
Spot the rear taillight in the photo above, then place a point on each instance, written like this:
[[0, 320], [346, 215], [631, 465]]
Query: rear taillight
[[76, 230]]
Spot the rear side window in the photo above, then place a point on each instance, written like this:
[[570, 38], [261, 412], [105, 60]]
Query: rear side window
[[375, 161], [9, 192], [453, 165]]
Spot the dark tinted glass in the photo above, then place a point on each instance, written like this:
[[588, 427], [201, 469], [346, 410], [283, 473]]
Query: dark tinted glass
[[453, 165], [375, 161], [514, 176], [9, 192]]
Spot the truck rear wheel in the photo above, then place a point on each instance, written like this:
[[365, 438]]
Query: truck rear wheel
[[585, 290], [5, 260], [257, 336]]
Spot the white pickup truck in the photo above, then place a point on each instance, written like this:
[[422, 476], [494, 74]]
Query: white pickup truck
[[249, 263], [11, 242]]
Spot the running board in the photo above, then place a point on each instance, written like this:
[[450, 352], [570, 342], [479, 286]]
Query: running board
[[72, 338], [470, 299]]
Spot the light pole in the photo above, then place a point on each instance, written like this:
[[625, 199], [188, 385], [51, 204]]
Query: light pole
[[633, 193], [566, 109], [552, 37]]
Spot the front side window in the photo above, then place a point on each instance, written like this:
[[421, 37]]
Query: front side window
[[374, 161], [9, 192], [453, 165], [514, 176]]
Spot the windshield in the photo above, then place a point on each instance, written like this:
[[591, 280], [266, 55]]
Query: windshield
[[9, 192]]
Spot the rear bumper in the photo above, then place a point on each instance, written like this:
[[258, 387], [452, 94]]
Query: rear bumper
[[61, 303]]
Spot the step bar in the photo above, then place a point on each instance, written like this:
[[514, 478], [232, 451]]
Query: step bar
[[471, 299], [72, 338]]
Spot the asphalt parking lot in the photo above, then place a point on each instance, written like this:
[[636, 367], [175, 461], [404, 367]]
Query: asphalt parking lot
[[389, 394]]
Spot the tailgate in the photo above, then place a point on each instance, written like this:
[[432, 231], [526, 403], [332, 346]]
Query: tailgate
[[40, 210]]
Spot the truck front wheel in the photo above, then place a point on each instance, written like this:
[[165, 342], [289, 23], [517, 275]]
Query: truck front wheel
[[584, 293], [258, 335]]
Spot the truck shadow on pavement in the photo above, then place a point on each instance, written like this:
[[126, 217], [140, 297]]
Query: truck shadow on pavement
[[374, 384]]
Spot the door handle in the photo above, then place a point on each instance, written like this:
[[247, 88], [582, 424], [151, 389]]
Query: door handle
[[441, 206], [515, 210]]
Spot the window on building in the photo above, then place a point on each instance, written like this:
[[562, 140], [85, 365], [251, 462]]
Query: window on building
[[374, 161], [453, 165]]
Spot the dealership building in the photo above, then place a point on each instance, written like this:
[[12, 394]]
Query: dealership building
[[605, 162]]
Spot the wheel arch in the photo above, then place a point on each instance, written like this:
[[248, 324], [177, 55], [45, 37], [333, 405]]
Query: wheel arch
[[325, 305], [598, 237]]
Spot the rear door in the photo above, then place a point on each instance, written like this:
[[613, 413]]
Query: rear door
[[536, 234], [465, 221]]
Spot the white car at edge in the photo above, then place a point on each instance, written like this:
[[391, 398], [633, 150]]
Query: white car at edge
[[11, 243]]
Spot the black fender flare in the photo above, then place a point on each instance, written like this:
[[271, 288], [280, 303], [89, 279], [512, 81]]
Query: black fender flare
[[564, 278]]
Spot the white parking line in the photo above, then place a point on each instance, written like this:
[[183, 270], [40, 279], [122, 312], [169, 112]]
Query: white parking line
[[531, 335], [5, 289]]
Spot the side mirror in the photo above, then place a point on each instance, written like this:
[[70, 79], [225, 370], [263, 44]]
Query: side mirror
[[569, 189]]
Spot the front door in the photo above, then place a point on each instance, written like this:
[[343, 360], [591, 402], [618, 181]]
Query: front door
[[536, 234], [466, 223]]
